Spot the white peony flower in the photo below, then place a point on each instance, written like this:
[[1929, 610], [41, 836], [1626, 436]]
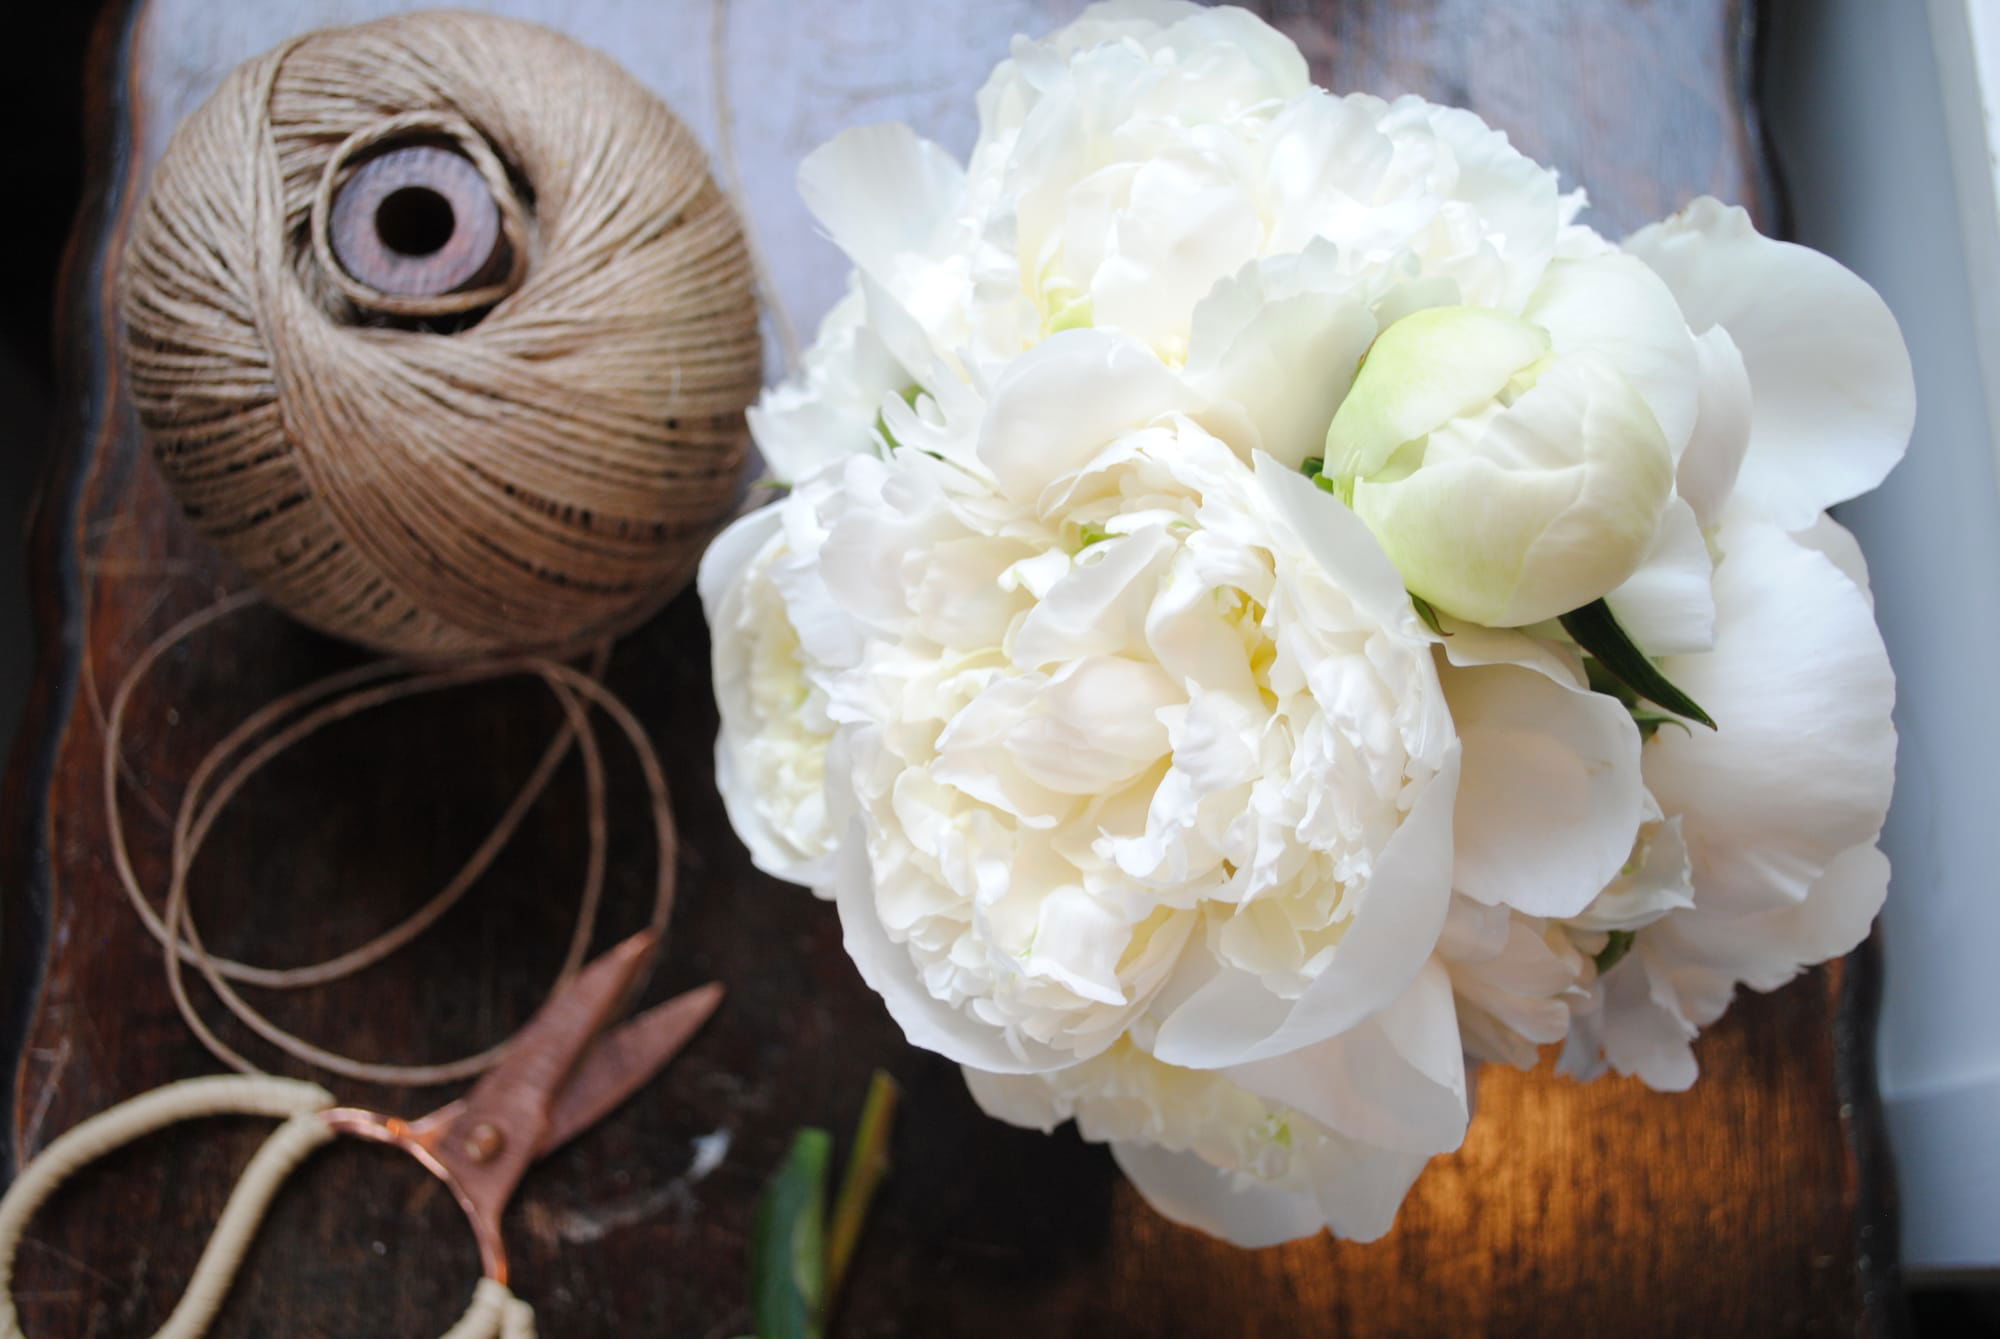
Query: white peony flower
[[1138, 730], [1141, 787]]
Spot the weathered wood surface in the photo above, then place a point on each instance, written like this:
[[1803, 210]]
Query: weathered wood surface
[[1749, 1206]]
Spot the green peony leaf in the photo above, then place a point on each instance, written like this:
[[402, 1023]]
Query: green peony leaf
[[1596, 630], [788, 1243]]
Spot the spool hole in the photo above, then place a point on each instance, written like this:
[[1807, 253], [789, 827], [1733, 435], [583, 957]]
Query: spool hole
[[415, 221]]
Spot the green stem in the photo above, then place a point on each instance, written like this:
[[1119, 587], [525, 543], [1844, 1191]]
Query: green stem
[[867, 1164]]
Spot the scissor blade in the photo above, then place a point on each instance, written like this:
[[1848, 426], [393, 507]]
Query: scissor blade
[[530, 1079], [619, 1063]]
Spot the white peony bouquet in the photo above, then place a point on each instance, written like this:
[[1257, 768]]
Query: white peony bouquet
[[1270, 611]]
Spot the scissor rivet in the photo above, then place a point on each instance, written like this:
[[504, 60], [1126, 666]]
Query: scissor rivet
[[485, 1141]]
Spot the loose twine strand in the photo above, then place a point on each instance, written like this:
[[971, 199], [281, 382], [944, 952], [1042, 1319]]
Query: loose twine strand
[[291, 718]]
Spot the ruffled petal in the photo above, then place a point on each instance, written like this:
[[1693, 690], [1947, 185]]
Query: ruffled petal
[[827, 409], [1341, 544], [780, 843], [1766, 950], [1253, 332], [927, 1022], [1513, 980], [1802, 765], [1644, 1033], [1833, 397], [1396, 1081], [1056, 406], [1230, 1018]]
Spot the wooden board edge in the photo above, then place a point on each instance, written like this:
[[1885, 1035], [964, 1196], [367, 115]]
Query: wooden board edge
[[1884, 1309], [1855, 991], [88, 409]]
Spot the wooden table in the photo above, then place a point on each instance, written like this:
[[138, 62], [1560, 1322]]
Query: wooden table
[[1754, 1205]]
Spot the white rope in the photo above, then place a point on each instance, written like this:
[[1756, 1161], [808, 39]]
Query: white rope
[[495, 1313]]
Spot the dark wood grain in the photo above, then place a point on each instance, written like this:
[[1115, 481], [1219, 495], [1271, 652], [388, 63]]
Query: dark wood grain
[[1752, 1205]]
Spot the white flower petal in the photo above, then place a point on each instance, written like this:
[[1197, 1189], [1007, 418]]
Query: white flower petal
[[1643, 1033], [1513, 995], [1829, 537], [1468, 645], [1197, 1194], [1360, 1188], [1513, 196], [827, 409], [1231, 1018], [1657, 880], [1099, 606], [1257, 328], [1096, 726], [1833, 398], [903, 338], [1714, 456], [1668, 605], [1800, 686], [768, 777], [1767, 949], [1342, 545], [1550, 797], [1209, 1153], [927, 1022], [1056, 407], [881, 193], [730, 556], [1396, 1081], [1613, 305]]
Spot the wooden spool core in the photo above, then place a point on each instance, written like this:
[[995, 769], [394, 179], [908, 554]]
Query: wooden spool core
[[417, 222]]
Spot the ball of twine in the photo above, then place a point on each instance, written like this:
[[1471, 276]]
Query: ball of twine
[[532, 459]]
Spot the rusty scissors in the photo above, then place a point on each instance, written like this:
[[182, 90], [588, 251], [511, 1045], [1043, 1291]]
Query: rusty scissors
[[565, 1071]]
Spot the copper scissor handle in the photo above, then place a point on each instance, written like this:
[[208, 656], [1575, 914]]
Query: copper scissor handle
[[415, 1139]]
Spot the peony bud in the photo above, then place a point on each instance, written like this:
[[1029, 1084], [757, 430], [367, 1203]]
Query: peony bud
[[1509, 483]]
